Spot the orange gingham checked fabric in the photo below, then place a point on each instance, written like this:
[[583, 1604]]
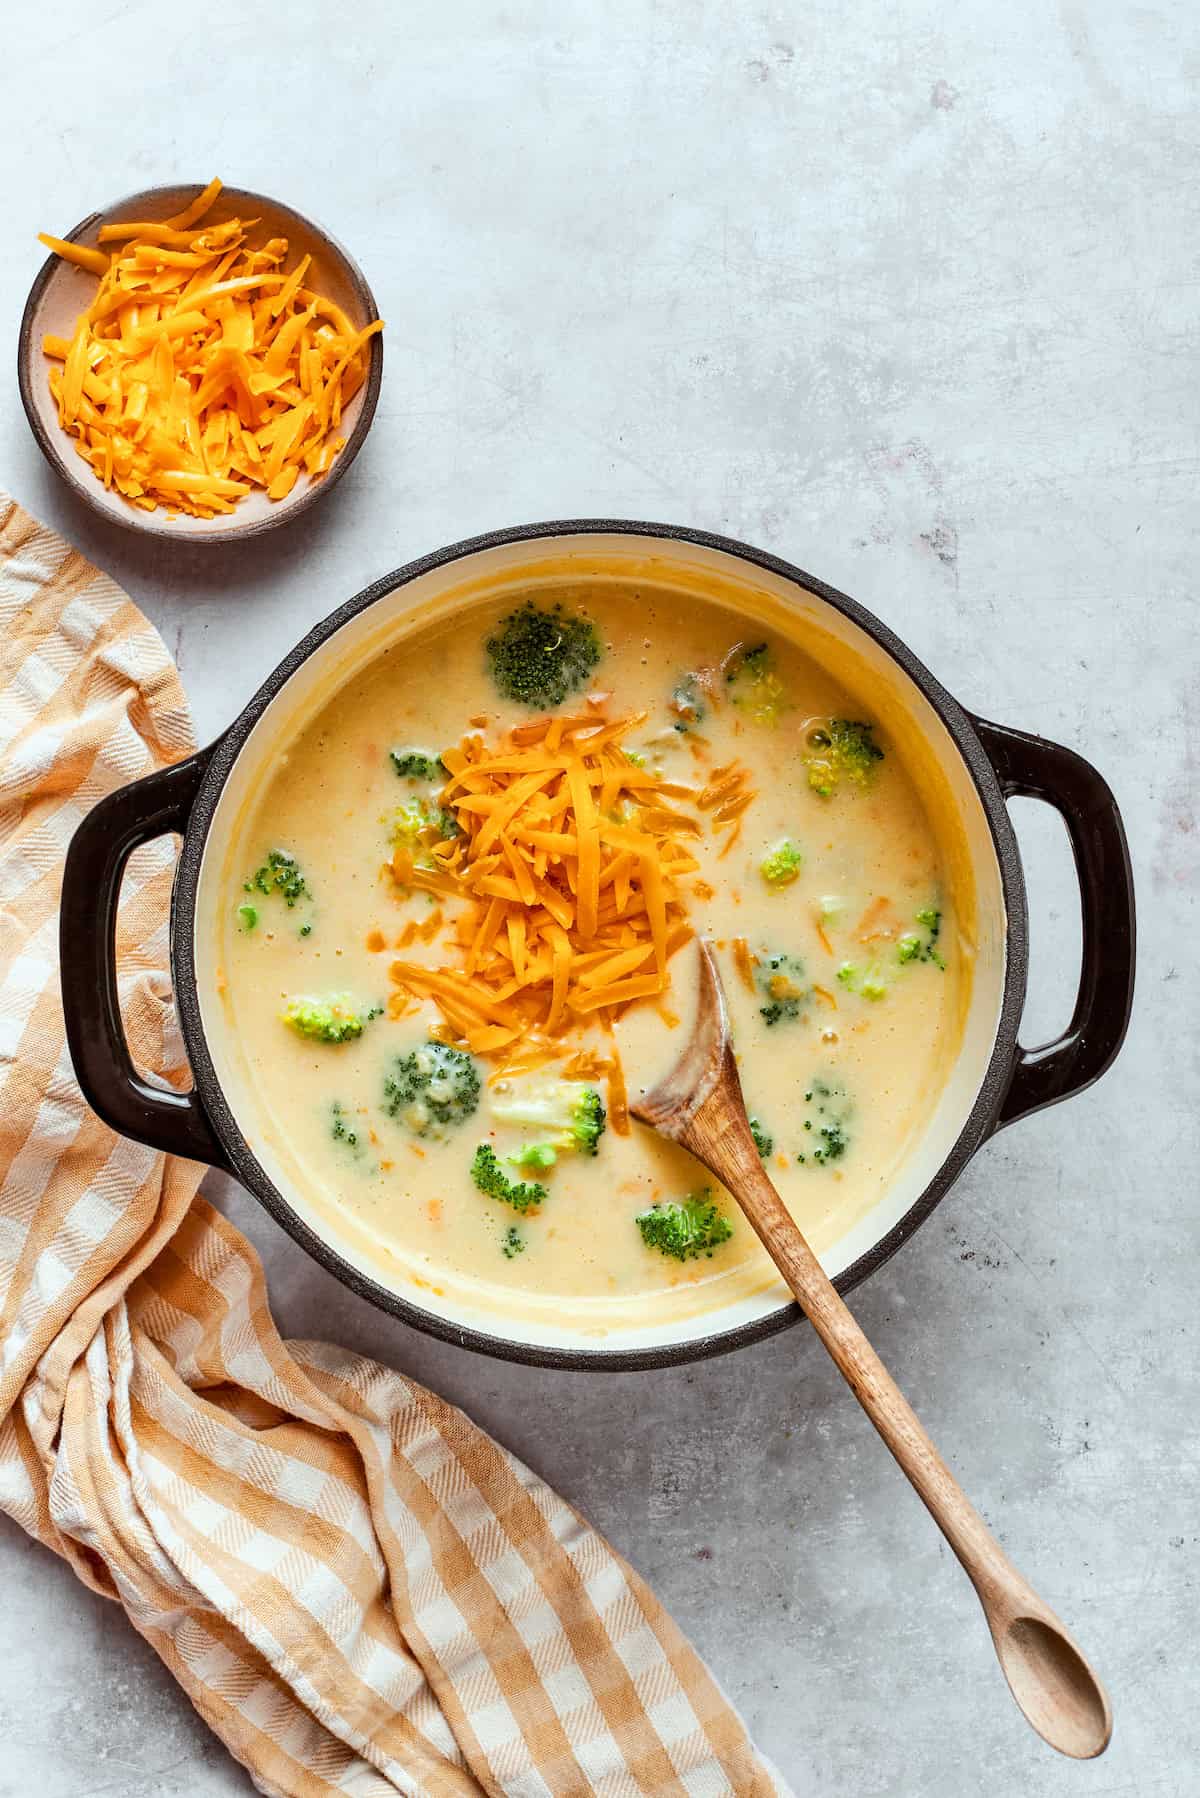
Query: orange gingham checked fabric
[[356, 1587]]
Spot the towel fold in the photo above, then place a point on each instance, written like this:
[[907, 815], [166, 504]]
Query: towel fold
[[356, 1587]]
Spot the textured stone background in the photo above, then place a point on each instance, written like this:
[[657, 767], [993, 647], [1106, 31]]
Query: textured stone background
[[908, 293]]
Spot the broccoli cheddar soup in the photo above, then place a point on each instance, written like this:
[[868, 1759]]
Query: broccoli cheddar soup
[[458, 930]]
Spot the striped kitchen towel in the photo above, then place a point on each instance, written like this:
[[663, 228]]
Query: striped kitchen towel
[[355, 1586]]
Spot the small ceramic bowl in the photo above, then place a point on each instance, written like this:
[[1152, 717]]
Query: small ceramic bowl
[[62, 291]]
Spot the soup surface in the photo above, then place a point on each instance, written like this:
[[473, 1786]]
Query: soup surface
[[458, 930]]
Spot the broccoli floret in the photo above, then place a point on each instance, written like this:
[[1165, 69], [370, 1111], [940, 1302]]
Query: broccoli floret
[[513, 1242], [826, 1126], [834, 1142], [780, 866], [589, 1121], [694, 1228], [866, 981], [409, 823], [417, 764], [764, 1142], [417, 826], [419, 823], [279, 874], [912, 946], [342, 1128], [754, 684], [780, 980], [540, 1155], [538, 657], [572, 1111], [491, 1179], [840, 750], [687, 704], [432, 1089], [335, 1020]]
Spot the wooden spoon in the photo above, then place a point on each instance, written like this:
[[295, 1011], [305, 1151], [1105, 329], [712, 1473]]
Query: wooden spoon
[[700, 1105]]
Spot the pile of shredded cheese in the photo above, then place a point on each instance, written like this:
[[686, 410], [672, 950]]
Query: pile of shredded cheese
[[203, 368], [569, 857]]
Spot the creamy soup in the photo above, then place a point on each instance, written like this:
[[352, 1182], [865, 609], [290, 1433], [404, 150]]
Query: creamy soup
[[459, 926]]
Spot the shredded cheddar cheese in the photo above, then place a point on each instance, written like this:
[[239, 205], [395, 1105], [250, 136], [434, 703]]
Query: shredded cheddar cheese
[[203, 368], [726, 795], [878, 924], [569, 860], [745, 961]]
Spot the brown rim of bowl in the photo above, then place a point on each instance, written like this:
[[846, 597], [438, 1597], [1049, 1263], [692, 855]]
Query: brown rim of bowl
[[130, 516]]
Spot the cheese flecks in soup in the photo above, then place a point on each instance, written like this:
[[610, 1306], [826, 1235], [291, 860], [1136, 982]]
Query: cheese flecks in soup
[[459, 928]]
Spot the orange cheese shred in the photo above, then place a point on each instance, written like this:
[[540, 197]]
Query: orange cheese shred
[[744, 961], [95, 261], [192, 214], [878, 923], [618, 1103]]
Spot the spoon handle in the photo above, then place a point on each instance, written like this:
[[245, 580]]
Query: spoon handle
[[717, 1134], [739, 1167]]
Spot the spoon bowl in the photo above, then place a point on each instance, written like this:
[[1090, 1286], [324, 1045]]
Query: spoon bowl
[[1054, 1687]]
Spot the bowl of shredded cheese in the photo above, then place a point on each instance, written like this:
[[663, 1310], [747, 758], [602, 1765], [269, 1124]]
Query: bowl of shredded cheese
[[199, 362]]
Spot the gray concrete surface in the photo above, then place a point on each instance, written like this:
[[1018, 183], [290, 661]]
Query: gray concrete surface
[[907, 293]]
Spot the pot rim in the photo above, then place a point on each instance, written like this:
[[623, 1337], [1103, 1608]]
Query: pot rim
[[978, 1125]]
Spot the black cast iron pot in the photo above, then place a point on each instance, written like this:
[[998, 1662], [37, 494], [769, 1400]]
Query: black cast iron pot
[[978, 765]]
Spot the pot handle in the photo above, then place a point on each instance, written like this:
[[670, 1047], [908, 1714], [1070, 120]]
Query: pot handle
[[91, 891], [1038, 769]]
